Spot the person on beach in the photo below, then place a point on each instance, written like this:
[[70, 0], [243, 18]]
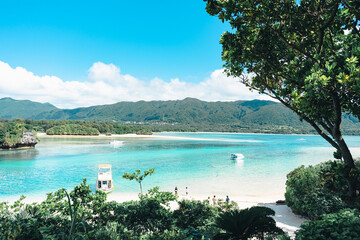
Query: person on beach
[[186, 191], [214, 200], [227, 199], [176, 191]]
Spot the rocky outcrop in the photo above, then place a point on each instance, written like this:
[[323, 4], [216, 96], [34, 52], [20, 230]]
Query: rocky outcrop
[[28, 140]]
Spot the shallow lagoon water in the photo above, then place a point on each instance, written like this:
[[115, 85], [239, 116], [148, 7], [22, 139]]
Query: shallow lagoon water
[[201, 162]]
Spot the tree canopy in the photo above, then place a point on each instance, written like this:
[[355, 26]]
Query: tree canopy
[[304, 53]]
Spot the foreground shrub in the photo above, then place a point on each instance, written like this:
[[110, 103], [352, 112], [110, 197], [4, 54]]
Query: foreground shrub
[[193, 214], [255, 222], [344, 225], [82, 214], [144, 216], [60, 216], [162, 197], [314, 191]]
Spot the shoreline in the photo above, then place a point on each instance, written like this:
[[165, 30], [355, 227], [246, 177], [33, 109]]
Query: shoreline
[[155, 136], [18, 148], [42, 134]]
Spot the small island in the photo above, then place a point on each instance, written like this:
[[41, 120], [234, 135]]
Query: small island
[[16, 140]]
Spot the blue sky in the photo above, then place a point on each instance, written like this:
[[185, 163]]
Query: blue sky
[[146, 40], [164, 39]]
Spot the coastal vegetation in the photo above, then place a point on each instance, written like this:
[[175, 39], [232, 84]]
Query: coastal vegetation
[[53, 127], [13, 134], [82, 214], [144, 131], [244, 224], [316, 190], [320, 193], [72, 129], [341, 225]]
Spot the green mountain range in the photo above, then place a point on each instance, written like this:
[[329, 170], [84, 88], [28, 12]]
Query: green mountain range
[[255, 114], [11, 108]]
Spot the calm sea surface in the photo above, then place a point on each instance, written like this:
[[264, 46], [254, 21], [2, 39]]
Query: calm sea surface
[[201, 162]]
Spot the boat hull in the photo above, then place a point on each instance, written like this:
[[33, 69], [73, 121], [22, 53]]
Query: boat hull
[[106, 190]]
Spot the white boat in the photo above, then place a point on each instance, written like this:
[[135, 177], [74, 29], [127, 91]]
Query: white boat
[[237, 156], [116, 143], [104, 180]]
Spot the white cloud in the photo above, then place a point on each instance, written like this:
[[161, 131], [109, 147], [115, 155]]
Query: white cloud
[[104, 72], [107, 85]]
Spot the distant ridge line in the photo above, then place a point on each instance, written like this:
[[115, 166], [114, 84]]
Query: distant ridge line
[[189, 111]]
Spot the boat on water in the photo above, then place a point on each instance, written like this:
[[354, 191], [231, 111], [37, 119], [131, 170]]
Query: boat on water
[[236, 156], [104, 180], [116, 143]]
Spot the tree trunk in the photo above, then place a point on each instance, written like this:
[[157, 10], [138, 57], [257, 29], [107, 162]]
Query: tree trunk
[[350, 166], [140, 188], [345, 152]]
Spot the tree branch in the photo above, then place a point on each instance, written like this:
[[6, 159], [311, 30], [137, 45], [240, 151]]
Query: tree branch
[[312, 123], [328, 126], [322, 30], [293, 46]]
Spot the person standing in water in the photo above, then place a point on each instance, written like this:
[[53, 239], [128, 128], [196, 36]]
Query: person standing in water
[[176, 191]]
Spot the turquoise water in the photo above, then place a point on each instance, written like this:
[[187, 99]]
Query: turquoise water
[[201, 162]]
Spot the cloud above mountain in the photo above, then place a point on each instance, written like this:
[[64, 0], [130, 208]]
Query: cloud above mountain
[[106, 84]]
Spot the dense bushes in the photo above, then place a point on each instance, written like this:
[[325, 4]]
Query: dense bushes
[[255, 222], [122, 128], [102, 127], [83, 215], [306, 194], [344, 225], [320, 192], [144, 132], [72, 129], [316, 190]]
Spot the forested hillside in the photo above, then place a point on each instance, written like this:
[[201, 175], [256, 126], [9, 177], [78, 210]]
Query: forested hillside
[[181, 115], [11, 108]]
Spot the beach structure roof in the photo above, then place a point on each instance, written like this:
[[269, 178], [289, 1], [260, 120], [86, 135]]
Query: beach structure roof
[[105, 166]]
